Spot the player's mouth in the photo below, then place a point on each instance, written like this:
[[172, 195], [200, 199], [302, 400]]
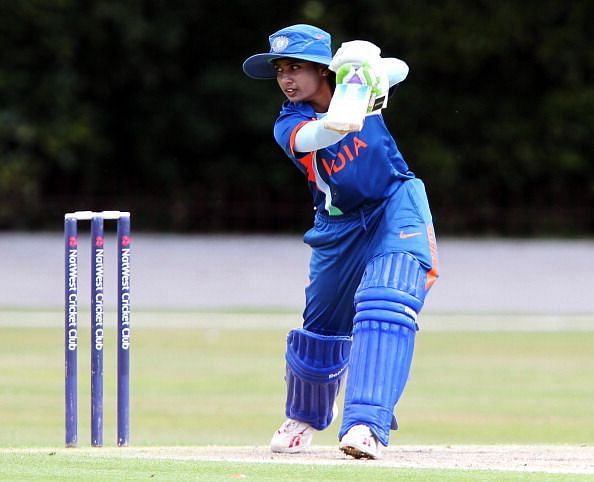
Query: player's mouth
[[290, 92]]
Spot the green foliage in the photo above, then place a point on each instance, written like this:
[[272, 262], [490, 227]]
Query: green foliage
[[142, 105]]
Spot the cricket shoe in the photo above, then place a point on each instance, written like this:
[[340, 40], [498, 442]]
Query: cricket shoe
[[294, 436], [360, 443]]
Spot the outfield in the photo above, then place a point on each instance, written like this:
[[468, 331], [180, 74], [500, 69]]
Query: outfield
[[502, 377], [203, 379]]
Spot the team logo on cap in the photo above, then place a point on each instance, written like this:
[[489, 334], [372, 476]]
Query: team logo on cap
[[279, 44]]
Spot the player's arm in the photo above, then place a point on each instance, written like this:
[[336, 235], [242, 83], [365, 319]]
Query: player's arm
[[395, 69], [388, 71], [364, 81], [313, 136]]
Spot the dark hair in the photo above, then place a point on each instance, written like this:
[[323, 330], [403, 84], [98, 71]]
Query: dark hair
[[332, 79], [331, 76]]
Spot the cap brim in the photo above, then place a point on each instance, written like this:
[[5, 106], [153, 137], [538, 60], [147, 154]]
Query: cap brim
[[260, 66]]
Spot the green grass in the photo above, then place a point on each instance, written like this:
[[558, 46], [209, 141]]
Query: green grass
[[48, 467], [209, 386], [503, 387], [196, 386]]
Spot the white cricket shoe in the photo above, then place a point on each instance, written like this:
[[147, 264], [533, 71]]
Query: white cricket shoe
[[292, 437], [360, 443]]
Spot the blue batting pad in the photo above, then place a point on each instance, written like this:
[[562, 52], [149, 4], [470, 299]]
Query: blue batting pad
[[316, 365], [388, 300]]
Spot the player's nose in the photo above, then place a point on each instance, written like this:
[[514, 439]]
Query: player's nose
[[285, 77]]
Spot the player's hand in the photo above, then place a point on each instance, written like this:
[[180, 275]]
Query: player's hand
[[355, 52], [374, 76], [361, 59]]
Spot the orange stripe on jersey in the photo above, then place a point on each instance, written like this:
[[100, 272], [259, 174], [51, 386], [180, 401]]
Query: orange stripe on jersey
[[433, 274], [307, 160]]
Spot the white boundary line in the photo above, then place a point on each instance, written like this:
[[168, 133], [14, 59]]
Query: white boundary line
[[266, 320]]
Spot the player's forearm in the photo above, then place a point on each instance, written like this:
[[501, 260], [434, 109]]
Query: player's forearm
[[313, 136]]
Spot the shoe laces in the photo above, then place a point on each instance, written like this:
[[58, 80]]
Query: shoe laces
[[291, 425]]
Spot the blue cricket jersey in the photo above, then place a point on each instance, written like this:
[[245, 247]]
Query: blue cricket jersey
[[364, 167]]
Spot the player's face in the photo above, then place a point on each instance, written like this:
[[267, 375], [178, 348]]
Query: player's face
[[303, 81]]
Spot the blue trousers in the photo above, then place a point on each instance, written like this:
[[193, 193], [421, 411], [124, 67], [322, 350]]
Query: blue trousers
[[343, 245]]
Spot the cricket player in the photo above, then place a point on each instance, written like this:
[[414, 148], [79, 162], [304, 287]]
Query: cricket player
[[374, 255]]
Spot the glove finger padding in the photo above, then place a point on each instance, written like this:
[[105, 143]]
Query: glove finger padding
[[350, 101], [354, 52], [380, 86], [360, 91], [373, 76]]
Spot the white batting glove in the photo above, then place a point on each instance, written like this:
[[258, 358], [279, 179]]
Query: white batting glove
[[373, 76], [362, 58], [355, 52]]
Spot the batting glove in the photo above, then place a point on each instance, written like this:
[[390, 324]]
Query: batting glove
[[373, 76], [355, 52]]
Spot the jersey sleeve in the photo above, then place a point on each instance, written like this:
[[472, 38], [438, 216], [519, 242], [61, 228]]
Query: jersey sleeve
[[288, 123]]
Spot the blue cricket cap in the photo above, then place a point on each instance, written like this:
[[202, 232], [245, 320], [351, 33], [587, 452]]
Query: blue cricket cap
[[301, 41]]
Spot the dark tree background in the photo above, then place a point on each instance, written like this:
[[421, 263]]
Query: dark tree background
[[141, 105]]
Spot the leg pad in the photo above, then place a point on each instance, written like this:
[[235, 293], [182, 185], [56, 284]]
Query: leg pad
[[316, 365], [388, 300]]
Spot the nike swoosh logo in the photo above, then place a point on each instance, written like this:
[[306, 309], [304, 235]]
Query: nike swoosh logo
[[404, 235]]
